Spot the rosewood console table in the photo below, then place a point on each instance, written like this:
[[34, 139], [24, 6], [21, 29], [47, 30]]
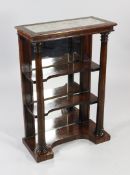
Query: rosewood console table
[[61, 48]]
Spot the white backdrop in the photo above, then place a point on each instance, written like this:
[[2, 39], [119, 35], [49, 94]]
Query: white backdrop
[[80, 156]]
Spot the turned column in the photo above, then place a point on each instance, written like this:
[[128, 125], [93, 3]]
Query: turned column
[[41, 147], [70, 50], [101, 85], [70, 76], [85, 76]]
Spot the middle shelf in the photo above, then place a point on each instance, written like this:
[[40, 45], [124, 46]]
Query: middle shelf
[[64, 100]]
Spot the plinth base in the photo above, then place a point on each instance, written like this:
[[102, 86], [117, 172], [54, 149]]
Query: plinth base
[[64, 134]]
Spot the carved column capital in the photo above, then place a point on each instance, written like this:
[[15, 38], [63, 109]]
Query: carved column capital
[[37, 47], [104, 37]]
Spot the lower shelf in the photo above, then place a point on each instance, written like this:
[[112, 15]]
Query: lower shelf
[[67, 101], [63, 131]]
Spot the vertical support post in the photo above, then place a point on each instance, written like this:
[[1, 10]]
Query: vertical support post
[[26, 85], [41, 147], [101, 85], [71, 76], [85, 77]]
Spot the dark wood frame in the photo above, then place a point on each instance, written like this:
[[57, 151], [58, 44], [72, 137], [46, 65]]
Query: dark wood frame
[[74, 123]]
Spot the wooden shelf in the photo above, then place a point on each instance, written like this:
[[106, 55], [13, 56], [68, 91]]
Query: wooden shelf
[[65, 60], [64, 69], [64, 134], [64, 102]]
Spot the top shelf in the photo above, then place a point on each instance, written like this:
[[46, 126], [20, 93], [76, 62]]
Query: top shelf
[[56, 29], [59, 66]]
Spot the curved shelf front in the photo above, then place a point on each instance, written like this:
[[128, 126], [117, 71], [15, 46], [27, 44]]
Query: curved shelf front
[[66, 101], [60, 66]]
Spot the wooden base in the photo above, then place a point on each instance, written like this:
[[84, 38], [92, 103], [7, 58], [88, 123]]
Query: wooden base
[[62, 131], [30, 144]]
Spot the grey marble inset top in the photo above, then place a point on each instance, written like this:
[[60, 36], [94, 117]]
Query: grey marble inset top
[[65, 24]]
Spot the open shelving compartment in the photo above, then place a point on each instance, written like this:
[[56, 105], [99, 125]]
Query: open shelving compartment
[[68, 126], [52, 54]]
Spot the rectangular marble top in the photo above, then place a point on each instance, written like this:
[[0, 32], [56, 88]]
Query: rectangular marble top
[[63, 28], [61, 25]]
